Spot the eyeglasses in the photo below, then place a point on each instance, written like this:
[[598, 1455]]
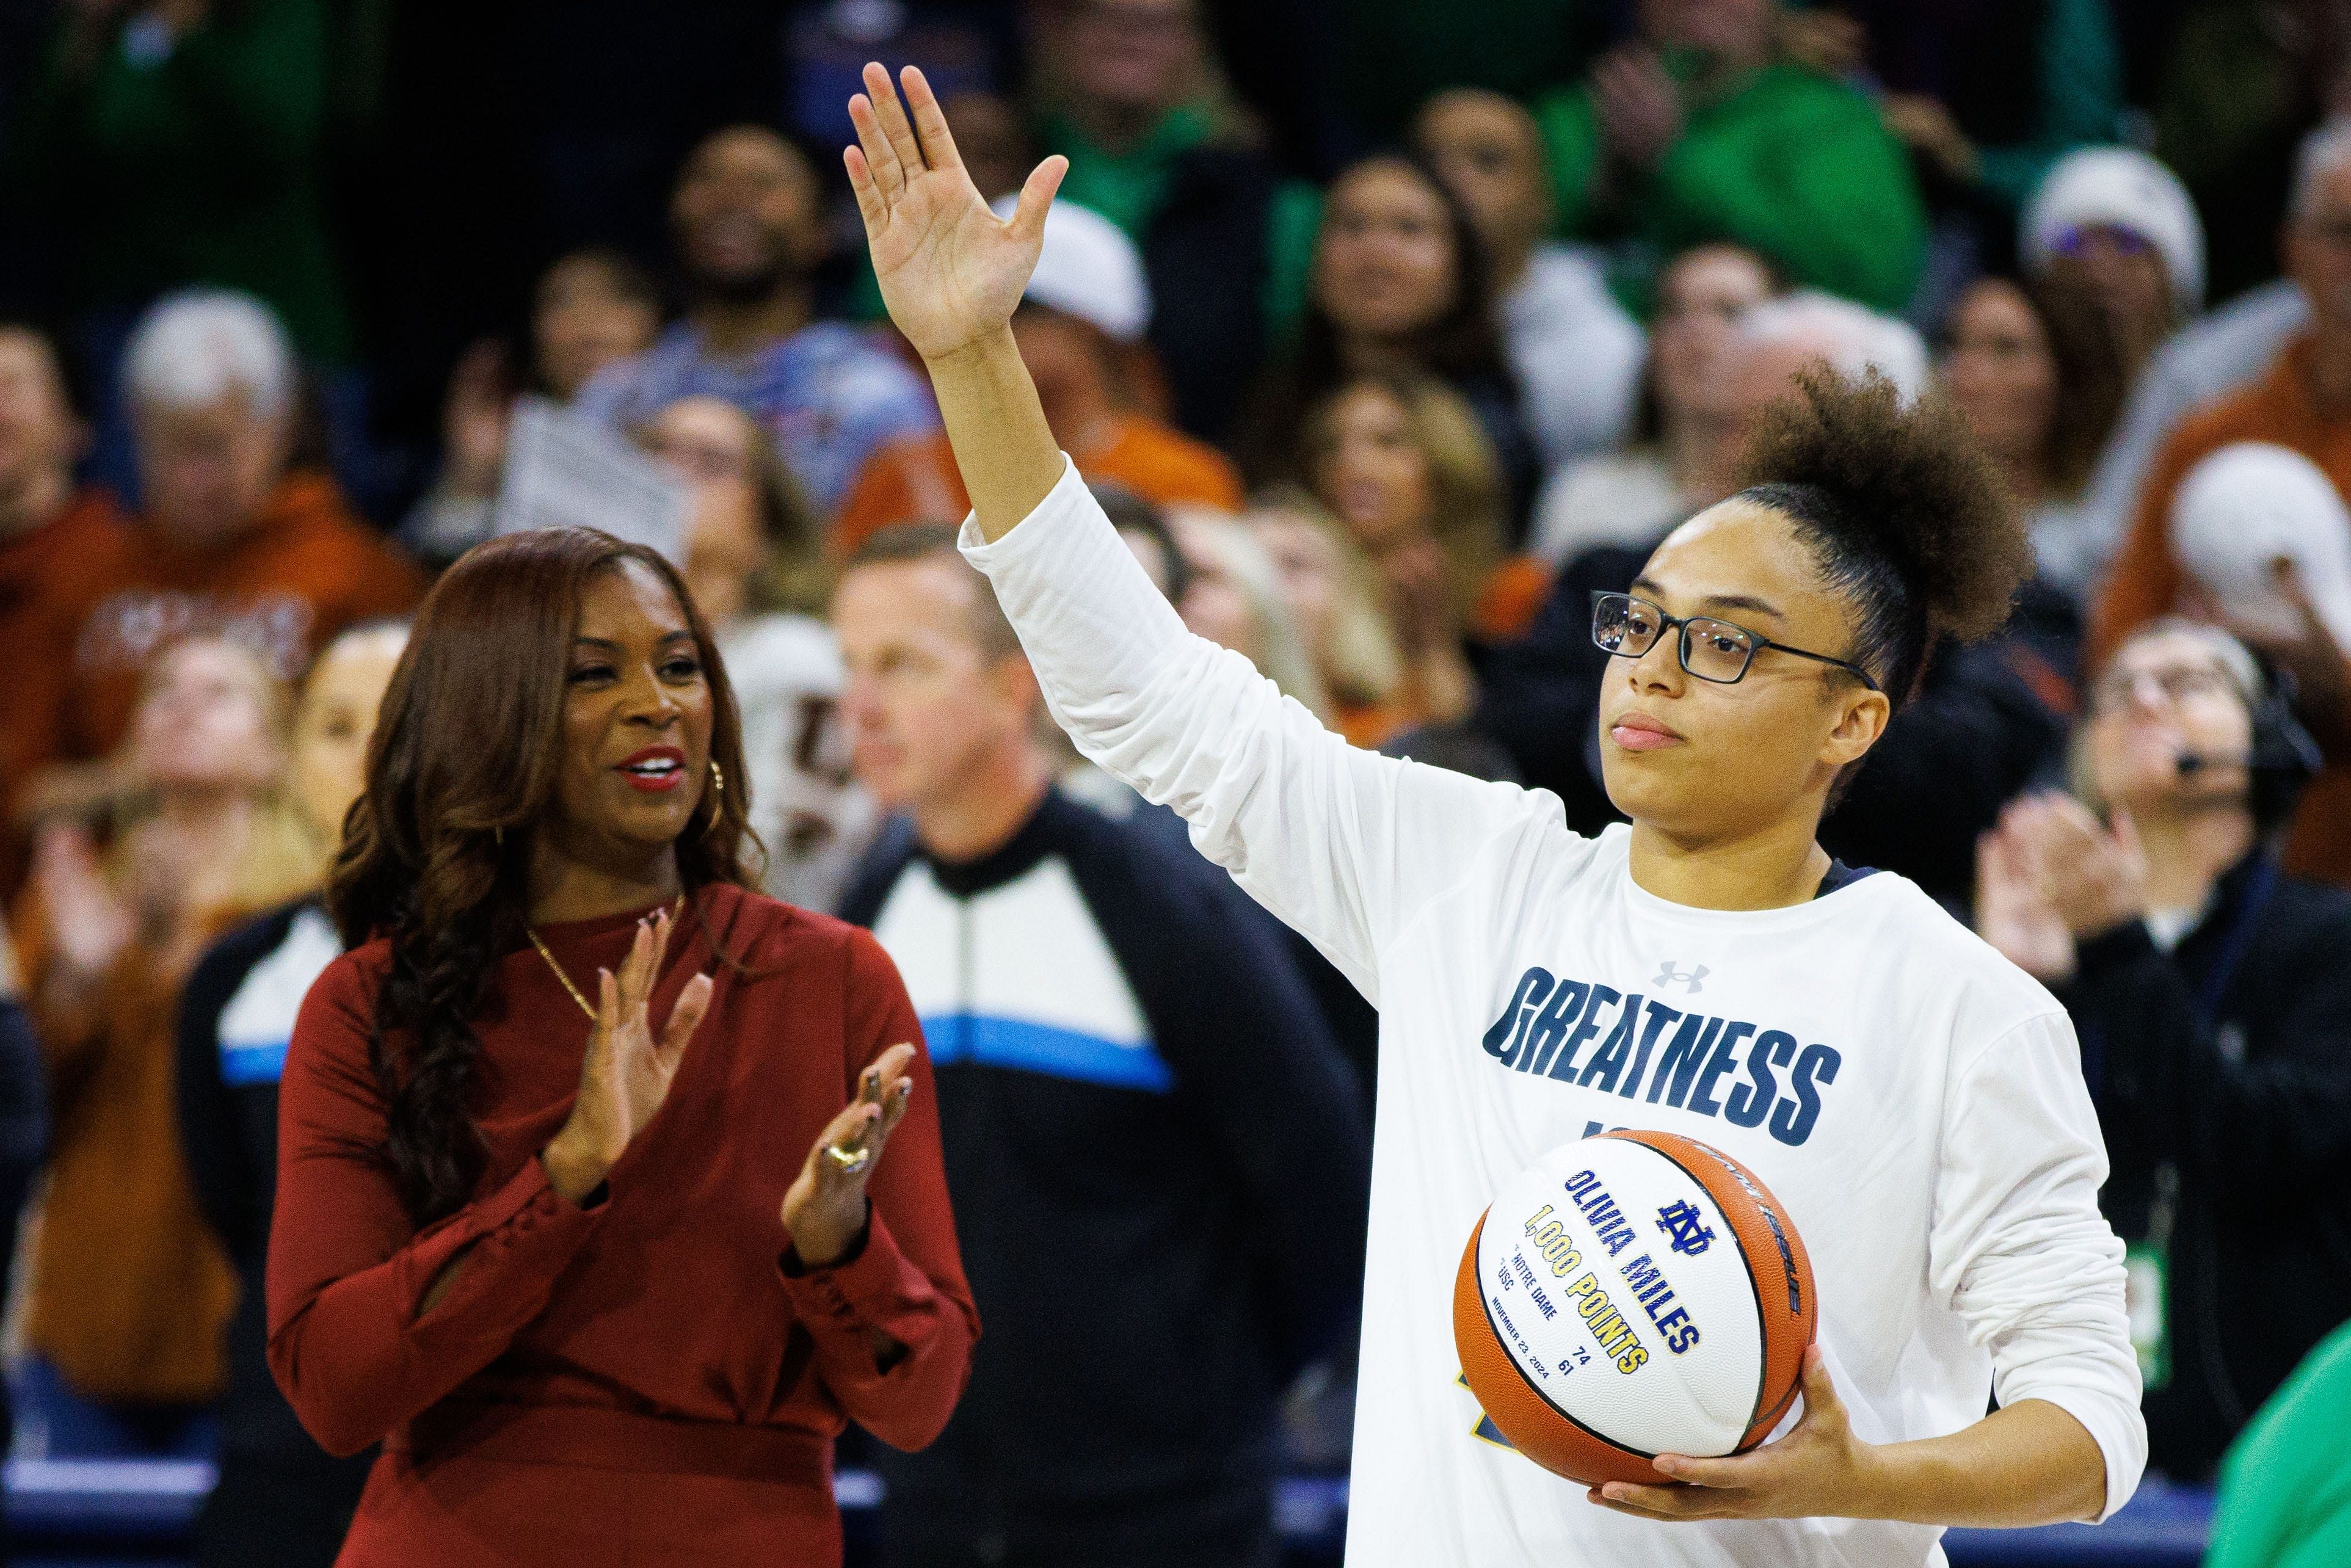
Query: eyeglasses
[[1711, 650], [2117, 689]]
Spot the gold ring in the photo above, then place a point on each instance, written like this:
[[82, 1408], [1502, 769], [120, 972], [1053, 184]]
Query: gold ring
[[850, 1161]]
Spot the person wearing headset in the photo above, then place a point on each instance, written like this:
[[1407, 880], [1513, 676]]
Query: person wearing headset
[[2214, 1003]]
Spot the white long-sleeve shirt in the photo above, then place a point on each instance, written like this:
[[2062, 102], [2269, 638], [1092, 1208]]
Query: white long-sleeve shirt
[[1915, 1101]]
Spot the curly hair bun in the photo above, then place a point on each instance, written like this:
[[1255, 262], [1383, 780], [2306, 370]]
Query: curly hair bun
[[1909, 483], [1905, 512]]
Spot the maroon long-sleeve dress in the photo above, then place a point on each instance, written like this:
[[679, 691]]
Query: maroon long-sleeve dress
[[641, 1381]]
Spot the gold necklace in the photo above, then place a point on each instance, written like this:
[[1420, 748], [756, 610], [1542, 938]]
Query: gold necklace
[[674, 911]]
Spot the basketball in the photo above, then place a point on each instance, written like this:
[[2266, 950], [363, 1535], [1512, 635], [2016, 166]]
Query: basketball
[[1633, 1295]]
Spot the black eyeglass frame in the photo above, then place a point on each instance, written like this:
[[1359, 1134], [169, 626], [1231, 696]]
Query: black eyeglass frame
[[1756, 643]]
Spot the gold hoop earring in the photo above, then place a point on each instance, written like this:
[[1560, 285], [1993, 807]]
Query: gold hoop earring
[[498, 836], [717, 789]]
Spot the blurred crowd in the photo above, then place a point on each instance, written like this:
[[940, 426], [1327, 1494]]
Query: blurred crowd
[[1389, 332]]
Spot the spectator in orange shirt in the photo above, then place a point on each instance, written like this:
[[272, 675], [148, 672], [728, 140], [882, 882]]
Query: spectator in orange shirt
[[54, 541], [2304, 403], [1079, 327], [231, 542]]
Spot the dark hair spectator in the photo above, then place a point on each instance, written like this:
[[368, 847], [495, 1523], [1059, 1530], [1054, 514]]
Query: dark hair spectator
[[133, 1293], [1080, 330], [747, 220], [2038, 373], [1575, 351], [1400, 286], [169, 144], [1692, 420], [1689, 132], [2302, 402], [233, 537], [592, 309], [59, 545], [1131, 92], [1220, 1120], [279, 1499], [2214, 1010], [2116, 225]]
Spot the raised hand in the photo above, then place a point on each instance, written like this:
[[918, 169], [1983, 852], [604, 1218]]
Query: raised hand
[[92, 925], [627, 1070], [2011, 914], [825, 1207], [950, 270]]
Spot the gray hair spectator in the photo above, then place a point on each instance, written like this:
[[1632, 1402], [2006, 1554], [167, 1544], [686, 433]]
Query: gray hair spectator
[[234, 538], [209, 378], [2208, 987], [198, 348], [1782, 335]]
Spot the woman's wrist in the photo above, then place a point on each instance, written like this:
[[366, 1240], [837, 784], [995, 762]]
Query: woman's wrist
[[571, 1171], [821, 1240]]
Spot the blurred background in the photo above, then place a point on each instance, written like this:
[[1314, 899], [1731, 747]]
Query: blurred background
[[1389, 330]]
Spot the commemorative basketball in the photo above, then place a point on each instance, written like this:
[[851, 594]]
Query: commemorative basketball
[[1633, 1295]]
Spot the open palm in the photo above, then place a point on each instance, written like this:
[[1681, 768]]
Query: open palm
[[950, 270]]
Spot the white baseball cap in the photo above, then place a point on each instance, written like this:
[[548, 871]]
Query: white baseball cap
[[2245, 507], [2122, 188], [1089, 269]]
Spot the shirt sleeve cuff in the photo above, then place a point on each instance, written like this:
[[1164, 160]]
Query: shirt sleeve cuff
[[523, 1232], [867, 1288]]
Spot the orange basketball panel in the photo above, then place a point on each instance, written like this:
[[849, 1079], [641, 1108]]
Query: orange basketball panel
[[1532, 1425]]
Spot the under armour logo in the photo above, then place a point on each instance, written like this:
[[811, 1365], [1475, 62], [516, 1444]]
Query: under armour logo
[[1669, 975], [1682, 1221]]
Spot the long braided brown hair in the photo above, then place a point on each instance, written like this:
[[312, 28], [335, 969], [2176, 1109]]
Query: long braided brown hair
[[435, 852]]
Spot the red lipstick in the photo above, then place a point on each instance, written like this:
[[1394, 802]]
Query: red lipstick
[[654, 770]]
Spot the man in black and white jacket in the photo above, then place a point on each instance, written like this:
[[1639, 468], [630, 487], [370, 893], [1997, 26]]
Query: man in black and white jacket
[[1160, 1160]]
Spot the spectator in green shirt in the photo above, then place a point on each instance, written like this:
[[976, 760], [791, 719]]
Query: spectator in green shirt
[[1133, 96], [2285, 1490], [1690, 133], [182, 142]]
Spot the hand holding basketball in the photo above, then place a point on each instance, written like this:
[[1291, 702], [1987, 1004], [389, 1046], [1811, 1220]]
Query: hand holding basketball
[[950, 270], [1818, 1469]]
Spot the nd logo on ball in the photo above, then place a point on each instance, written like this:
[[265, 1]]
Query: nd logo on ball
[[1630, 1295]]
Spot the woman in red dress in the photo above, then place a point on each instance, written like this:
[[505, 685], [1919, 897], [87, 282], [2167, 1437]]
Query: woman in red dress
[[583, 1204]]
